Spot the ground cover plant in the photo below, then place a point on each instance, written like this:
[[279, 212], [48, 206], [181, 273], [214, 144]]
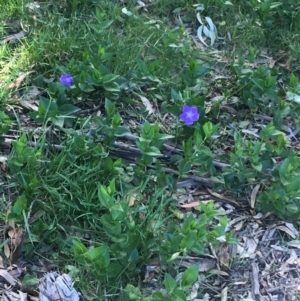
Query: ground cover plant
[[150, 149]]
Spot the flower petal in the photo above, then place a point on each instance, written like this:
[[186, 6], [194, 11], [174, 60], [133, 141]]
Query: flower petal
[[67, 80], [292, 135], [186, 109]]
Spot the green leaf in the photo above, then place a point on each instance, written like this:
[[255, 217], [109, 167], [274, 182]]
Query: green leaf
[[116, 120], [109, 107], [109, 78], [152, 151], [157, 296], [134, 256], [111, 227], [103, 196], [285, 171], [68, 109], [223, 221], [257, 165], [132, 292], [105, 24], [79, 248], [112, 87], [170, 283], [58, 121], [112, 187], [164, 137], [207, 128], [184, 167], [19, 205], [292, 209], [5, 123], [48, 104], [119, 211], [188, 241], [18, 218], [178, 295], [173, 257], [121, 131], [100, 256], [30, 281], [175, 96], [189, 276], [113, 270]]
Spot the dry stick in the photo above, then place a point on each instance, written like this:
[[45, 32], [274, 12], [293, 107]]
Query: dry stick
[[88, 111], [267, 118], [255, 280], [172, 149], [192, 180]]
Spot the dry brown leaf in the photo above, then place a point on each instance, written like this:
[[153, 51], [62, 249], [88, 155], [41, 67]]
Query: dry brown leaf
[[190, 205], [14, 296], [239, 226], [222, 197], [132, 199], [224, 294], [36, 216], [151, 272], [19, 80], [218, 272], [15, 271], [224, 257], [7, 251], [249, 298], [236, 221], [292, 228], [193, 291], [32, 93], [250, 132], [9, 278], [293, 258], [28, 105], [16, 237], [3, 160], [54, 286], [253, 195], [1, 263], [255, 280], [294, 244], [205, 264], [147, 104], [248, 248], [287, 231]]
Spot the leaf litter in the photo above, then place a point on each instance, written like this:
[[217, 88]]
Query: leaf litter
[[261, 256]]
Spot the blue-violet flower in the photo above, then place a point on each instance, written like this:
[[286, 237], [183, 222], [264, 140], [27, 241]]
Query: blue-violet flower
[[67, 80], [189, 115]]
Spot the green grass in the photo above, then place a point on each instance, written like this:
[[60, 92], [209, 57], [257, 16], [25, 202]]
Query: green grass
[[88, 200]]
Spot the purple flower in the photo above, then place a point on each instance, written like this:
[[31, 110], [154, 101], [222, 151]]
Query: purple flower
[[291, 135], [232, 126], [189, 115], [67, 80]]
